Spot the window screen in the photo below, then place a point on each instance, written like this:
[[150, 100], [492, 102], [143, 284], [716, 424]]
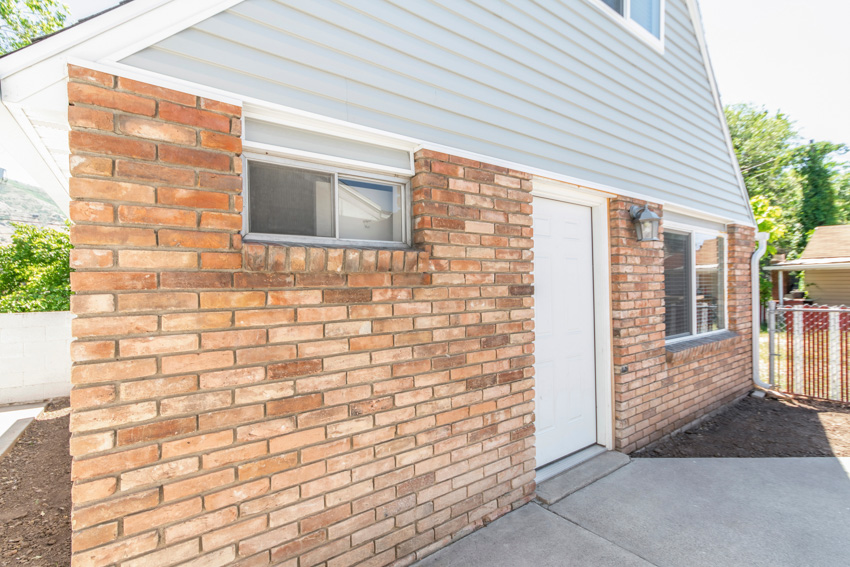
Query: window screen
[[709, 259], [295, 201], [677, 284], [287, 200]]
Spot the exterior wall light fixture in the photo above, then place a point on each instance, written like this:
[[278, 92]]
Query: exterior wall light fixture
[[646, 223]]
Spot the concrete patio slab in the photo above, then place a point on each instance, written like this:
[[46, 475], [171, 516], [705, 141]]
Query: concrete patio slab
[[731, 512], [572, 480], [533, 537]]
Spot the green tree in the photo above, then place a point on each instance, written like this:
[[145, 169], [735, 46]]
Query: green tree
[[818, 206], [22, 21], [764, 144], [35, 270]]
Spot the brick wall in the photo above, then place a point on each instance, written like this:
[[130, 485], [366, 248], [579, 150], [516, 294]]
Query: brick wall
[[249, 404], [662, 391]]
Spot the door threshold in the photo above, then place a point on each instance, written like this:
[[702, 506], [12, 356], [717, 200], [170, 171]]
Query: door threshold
[[552, 469]]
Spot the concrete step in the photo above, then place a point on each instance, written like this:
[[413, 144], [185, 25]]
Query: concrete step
[[574, 479]]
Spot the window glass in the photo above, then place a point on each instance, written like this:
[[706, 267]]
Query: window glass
[[300, 202], [647, 13], [369, 210], [677, 284], [615, 4], [709, 290], [288, 200]]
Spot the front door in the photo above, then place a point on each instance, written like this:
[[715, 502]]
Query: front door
[[565, 367]]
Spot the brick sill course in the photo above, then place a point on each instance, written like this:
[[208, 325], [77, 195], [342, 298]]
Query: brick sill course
[[681, 352], [290, 258]]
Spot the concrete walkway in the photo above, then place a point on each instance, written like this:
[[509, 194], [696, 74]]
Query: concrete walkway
[[679, 512]]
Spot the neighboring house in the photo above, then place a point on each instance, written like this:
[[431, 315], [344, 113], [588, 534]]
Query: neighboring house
[[351, 276], [826, 263]]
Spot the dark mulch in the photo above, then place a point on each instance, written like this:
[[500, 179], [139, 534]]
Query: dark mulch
[[35, 494], [765, 427]]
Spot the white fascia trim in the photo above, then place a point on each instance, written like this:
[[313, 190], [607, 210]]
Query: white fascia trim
[[21, 141], [44, 49], [117, 33], [699, 31], [807, 267]]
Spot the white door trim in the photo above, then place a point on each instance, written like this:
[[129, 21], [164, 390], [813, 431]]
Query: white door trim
[[598, 204]]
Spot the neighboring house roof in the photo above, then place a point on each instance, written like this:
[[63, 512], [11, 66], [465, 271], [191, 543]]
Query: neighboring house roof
[[828, 248], [560, 91]]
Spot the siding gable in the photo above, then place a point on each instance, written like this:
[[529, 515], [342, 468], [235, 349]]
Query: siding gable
[[550, 84]]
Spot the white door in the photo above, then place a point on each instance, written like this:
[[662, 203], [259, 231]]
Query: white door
[[565, 376]]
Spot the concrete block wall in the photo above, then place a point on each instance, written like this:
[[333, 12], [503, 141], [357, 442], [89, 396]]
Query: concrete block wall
[[660, 392], [35, 356], [251, 404]]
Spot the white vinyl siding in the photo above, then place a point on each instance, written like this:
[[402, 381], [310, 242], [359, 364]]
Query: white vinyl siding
[[549, 84]]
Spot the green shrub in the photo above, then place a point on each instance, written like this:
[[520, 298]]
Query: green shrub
[[35, 270]]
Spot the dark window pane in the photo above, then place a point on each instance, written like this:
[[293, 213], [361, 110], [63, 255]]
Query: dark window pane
[[709, 293], [615, 4], [677, 284], [369, 210], [290, 201]]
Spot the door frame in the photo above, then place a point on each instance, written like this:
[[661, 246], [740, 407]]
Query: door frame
[[597, 201]]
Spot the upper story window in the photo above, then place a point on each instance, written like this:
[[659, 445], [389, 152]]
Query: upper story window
[[306, 186], [643, 16], [694, 283]]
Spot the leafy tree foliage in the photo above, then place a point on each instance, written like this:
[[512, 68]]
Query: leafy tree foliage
[[22, 21], [818, 207], [799, 183], [35, 270]]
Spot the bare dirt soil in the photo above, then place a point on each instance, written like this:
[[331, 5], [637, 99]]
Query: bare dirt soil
[[35, 494], [764, 428]]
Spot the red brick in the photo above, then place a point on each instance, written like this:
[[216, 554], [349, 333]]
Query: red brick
[[103, 326], [82, 117], [119, 281], [222, 107], [194, 158], [156, 259], [153, 91], [154, 173], [112, 145], [193, 198], [115, 462], [226, 221], [90, 258], [97, 96], [193, 117], [112, 371], [112, 236], [224, 142], [155, 431], [157, 215], [153, 130], [192, 239], [110, 190], [90, 76], [90, 165]]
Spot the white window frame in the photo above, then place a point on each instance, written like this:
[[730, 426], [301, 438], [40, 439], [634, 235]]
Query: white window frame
[[624, 20], [691, 231], [337, 171]]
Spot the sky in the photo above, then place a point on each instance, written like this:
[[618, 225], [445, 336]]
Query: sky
[[788, 55]]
